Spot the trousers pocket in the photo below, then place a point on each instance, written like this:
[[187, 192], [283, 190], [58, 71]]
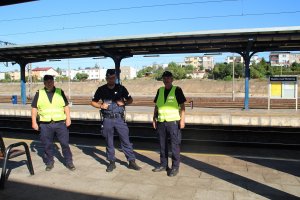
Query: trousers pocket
[[176, 136], [179, 136]]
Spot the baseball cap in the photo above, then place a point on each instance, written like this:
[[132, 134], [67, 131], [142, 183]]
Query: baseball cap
[[48, 77], [167, 74], [110, 72]]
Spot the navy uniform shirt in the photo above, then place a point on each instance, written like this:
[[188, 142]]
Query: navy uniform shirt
[[119, 92], [50, 96]]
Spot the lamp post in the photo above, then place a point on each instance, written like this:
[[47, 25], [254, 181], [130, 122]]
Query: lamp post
[[233, 59], [29, 79], [69, 82]]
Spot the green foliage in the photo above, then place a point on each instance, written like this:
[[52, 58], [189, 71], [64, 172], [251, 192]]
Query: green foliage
[[7, 77], [189, 69], [177, 71], [145, 71], [81, 76], [59, 70], [157, 71], [222, 71], [61, 79], [34, 79], [239, 70]]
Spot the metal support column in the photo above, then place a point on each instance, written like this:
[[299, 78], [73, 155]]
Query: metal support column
[[23, 82], [247, 78], [117, 61], [247, 56]]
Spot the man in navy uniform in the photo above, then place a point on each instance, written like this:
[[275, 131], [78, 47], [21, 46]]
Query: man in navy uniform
[[50, 106], [113, 98], [168, 119]]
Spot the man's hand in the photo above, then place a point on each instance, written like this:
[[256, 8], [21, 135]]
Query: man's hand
[[154, 123], [181, 124], [104, 106], [68, 122], [120, 103], [35, 126]]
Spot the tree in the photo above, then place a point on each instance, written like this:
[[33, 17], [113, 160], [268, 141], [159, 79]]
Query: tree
[[7, 77], [61, 78], [177, 71], [222, 70], [58, 70], [189, 69], [145, 71], [238, 70], [81, 76]]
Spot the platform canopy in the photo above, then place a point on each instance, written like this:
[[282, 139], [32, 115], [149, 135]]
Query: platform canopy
[[235, 40], [10, 2], [245, 42]]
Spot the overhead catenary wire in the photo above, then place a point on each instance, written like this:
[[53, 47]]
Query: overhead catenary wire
[[115, 9], [153, 21]]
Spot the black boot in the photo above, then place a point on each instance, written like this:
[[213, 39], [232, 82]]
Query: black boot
[[111, 166], [133, 165]]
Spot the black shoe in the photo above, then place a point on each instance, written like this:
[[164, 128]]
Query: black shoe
[[49, 167], [133, 165], [71, 166], [173, 172], [159, 169], [111, 166]]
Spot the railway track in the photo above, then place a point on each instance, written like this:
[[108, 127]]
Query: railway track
[[192, 134], [204, 102]]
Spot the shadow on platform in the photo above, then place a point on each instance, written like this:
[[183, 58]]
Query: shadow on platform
[[238, 180], [16, 190]]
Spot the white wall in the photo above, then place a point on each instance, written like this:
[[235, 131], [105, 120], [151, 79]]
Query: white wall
[[2, 75]]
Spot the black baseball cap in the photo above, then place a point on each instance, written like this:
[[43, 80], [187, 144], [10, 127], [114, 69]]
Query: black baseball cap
[[48, 77], [110, 72], [167, 74]]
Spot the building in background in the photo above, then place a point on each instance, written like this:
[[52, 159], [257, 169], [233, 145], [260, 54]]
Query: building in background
[[15, 75], [99, 73], [207, 62], [2, 75], [93, 73], [127, 73], [236, 59], [284, 58], [294, 57], [239, 59], [279, 58], [40, 72]]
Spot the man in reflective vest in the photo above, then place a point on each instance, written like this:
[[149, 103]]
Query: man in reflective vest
[[168, 119], [50, 107], [111, 99]]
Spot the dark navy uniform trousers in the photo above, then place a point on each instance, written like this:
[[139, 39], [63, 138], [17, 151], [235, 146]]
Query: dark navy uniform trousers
[[48, 131], [166, 130], [110, 125]]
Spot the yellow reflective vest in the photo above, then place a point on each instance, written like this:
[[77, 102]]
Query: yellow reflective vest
[[169, 110], [51, 111]]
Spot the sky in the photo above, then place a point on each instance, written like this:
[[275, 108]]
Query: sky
[[47, 21]]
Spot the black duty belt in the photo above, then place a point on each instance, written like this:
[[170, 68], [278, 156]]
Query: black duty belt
[[113, 115], [52, 122]]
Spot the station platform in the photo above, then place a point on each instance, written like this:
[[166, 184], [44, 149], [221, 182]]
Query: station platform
[[205, 116], [236, 175]]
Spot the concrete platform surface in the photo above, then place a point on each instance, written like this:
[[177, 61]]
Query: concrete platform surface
[[202, 176], [213, 116]]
